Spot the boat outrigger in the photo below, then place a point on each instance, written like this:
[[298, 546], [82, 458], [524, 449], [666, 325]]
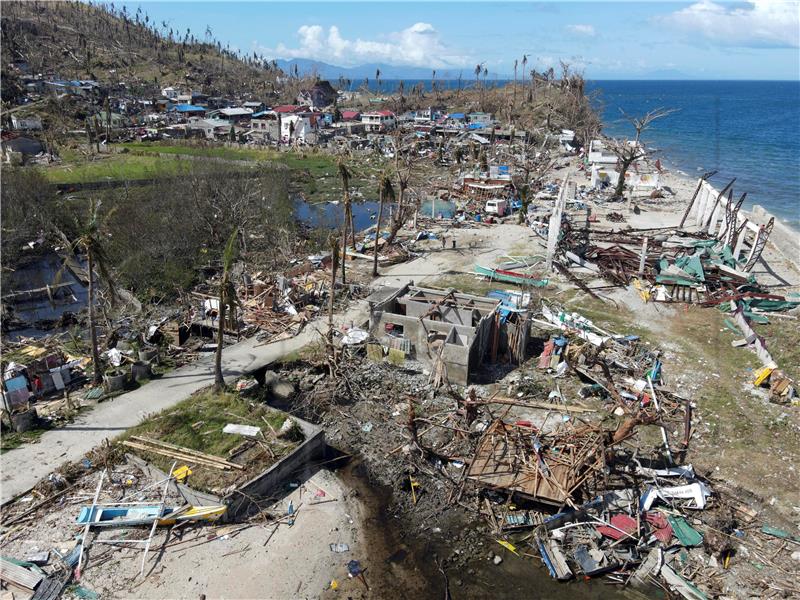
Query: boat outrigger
[[121, 515], [522, 279]]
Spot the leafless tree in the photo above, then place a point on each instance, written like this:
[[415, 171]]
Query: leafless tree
[[406, 168], [630, 151], [386, 192]]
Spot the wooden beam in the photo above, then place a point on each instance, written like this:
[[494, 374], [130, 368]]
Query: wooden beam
[[19, 576]]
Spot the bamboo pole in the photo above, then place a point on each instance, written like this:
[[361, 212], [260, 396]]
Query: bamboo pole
[[89, 524], [185, 450], [158, 516], [181, 456]]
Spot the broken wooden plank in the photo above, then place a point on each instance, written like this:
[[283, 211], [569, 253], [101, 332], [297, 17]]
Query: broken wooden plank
[[188, 451], [19, 576]]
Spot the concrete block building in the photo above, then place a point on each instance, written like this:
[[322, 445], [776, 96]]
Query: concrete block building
[[435, 326]]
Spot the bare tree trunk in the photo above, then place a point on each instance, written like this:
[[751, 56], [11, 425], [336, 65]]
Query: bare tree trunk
[[352, 225], [377, 236], [334, 257], [344, 241], [219, 380], [618, 190], [399, 217], [97, 377]]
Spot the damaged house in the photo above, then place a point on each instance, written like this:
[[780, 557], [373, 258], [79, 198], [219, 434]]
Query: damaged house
[[450, 331], [320, 95]]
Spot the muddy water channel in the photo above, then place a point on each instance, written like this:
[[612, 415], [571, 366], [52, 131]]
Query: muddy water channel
[[405, 562]]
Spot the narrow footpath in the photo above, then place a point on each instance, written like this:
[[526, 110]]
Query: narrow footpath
[[25, 466]]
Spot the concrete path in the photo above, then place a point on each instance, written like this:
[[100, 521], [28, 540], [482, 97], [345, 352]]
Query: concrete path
[[23, 467]]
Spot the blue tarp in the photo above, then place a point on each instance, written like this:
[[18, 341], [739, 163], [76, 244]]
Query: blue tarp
[[456, 116], [188, 108]]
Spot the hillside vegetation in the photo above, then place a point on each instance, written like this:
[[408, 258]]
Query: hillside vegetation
[[77, 40]]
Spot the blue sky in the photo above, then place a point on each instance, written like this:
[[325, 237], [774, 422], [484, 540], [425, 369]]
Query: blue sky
[[757, 39]]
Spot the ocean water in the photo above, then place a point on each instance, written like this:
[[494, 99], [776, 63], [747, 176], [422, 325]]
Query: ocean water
[[744, 129]]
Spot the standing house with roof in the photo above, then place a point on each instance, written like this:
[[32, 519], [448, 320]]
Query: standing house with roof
[[320, 95], [234, 115], [208, 128], [84, 87], [254, 105], [350, 115], [480, 120], [265, 125], [379, 121], [185, 111], [27, 123]]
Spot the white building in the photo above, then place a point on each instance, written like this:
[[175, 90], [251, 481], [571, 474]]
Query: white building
[[296, 128], [598, 154], [170, 93], [379, 121]]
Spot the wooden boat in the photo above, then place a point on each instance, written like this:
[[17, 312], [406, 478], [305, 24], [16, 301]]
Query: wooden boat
[[211, 512], [510, 276], [110, 515]]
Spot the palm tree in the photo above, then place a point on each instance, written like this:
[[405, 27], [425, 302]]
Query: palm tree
[[90, 241], [515, 82], [227, 298], [345, 175], [524, 66], [378, 79], [385, 191]]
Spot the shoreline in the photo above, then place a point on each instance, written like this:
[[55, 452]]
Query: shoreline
[[785, 236], [751, 210]]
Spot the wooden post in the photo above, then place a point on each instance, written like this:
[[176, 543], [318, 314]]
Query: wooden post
[[161, 508], [705, 177], [663, 429], [89, 524], [554, 228], [643, 256]]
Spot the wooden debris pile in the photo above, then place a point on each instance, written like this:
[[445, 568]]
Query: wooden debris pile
[[549, 467]]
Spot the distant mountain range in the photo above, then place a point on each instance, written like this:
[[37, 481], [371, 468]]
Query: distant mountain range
[[357, 74]]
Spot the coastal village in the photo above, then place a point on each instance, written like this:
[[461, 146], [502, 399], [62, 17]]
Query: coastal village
[[278, 336]]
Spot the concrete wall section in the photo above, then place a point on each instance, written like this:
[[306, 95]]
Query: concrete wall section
[[287, 468]]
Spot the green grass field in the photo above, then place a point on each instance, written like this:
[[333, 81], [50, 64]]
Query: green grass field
[[197, 423], [314, 163], [114, 167]]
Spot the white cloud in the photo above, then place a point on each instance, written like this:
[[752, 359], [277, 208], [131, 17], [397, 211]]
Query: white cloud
[[587, 30], [764, 23], [419, 45]]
